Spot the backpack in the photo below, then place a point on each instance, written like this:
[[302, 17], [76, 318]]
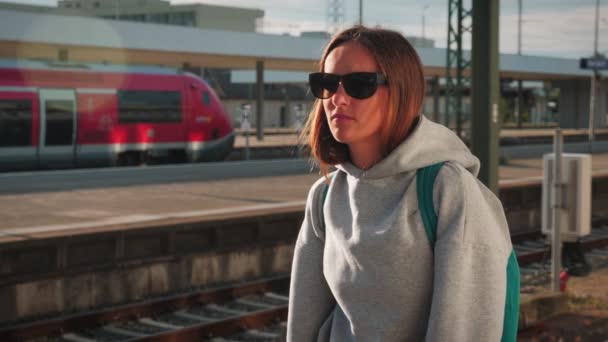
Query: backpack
[[425, 178]]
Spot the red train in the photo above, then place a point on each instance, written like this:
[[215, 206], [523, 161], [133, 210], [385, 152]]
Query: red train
[[65, 115]]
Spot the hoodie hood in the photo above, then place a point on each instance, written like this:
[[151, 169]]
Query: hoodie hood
[[428, 144]]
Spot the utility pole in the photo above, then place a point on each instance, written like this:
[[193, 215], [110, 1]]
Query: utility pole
[[259, 113], [456, 82], [335, 15], [519, 100], [360, 12], [424, 22], [594, 79]]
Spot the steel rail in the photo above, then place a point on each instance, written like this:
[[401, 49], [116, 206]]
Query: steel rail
[[53, 327]]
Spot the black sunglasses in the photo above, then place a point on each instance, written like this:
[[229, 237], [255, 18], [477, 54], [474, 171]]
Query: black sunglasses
[[359, 85]]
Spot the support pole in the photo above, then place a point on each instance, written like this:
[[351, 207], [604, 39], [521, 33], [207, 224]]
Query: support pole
[[557, 208], [360, 12], [484, 135], [592, 102], [519, 100], [436, 98], [259, 113], [519, 104], [594, 78]]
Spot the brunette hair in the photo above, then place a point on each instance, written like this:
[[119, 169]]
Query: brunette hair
[[400, 63]]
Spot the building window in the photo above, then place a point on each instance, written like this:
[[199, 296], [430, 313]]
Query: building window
[[133, 17], [182, 18], [149, 106], [162, 18], [15, 123]]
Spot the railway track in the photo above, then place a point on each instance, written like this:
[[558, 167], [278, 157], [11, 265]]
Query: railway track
[[251, 312], [254, 311], [534, 255]]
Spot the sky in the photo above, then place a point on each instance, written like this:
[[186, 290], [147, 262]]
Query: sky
[[555, 28]]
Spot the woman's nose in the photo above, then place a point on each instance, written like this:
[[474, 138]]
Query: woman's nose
[[340, 97]]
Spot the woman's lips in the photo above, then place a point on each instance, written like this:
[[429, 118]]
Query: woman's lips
[[341, 117]]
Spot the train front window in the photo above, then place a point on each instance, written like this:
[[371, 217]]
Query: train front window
[[149, 106], [206, 99], [15, 123]]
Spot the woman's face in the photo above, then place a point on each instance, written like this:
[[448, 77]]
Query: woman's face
[[353, 121]]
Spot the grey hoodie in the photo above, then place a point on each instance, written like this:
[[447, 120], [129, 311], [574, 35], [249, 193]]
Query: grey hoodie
[[363, 269]]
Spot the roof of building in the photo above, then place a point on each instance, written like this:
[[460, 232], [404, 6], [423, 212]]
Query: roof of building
[[69, 66], [82, 31]]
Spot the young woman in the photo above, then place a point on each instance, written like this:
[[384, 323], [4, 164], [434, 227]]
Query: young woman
[[364, 268]]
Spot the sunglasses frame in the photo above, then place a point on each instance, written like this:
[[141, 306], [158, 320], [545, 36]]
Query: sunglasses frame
[[380, 80]]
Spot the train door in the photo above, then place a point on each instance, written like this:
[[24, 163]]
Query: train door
[[58, 122]]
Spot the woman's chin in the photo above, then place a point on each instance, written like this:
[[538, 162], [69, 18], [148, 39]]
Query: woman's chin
[[342, 138], [342, 135]]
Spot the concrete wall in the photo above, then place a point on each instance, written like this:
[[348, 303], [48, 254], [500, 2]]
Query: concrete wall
[[574, 103], [87, 290], [227, 18]]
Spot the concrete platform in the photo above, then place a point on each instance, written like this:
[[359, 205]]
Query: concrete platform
[[68, 208], [95, 241]]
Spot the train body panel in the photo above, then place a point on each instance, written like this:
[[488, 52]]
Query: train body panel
[[70, 117]]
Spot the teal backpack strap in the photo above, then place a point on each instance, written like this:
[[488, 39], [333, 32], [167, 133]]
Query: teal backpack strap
[[511, 318], [425, 178]]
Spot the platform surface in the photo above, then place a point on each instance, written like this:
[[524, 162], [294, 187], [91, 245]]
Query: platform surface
[[56, 209]]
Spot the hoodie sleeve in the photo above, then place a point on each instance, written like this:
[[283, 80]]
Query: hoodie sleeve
[[471, 253], [310, 299]]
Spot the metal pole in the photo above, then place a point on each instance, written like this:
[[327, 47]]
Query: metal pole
[[423, 26], [247, 156], [592, 111], [424, 21], [459, 71], [436, 98], [519, 28], [518, 101], [360, 12], [557, 207], [485, 90], [597, 18], [259, 114], [246, 126], [593, 80]]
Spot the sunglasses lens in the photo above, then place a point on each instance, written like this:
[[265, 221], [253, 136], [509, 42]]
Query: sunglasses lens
[[360, 85], [322, 86]]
